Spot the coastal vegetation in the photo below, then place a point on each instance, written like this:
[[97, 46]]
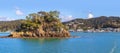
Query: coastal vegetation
[[41, 24], [50, 21], [85, 24]]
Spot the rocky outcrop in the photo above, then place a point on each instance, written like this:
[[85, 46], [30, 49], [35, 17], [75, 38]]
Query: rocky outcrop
[[44, 24], [39, 34]]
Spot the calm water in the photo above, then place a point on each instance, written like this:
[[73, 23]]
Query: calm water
[[88, 43]]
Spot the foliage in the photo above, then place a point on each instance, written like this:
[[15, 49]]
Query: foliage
[[41, 19], [46, 20]]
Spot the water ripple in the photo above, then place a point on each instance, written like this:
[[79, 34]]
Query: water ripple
[[114, 47]]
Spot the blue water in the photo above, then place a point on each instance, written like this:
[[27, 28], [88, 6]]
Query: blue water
[[88, 43]]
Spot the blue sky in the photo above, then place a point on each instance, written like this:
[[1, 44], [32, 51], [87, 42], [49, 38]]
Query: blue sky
[[18, 9]]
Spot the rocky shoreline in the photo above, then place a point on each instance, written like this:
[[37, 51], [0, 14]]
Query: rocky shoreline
[[40, 37]]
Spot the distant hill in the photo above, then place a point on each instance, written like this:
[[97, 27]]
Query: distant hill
[[9, 25], [96, 23]]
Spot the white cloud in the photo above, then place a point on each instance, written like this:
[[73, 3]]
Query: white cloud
[[5, 18], [19, 12], [90, 15], [66, 18]]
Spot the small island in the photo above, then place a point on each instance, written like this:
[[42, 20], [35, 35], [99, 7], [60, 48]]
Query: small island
[[41, 24]]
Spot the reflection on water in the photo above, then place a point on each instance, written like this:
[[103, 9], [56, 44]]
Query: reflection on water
[[114, 47], [88, 43], [42, 40]]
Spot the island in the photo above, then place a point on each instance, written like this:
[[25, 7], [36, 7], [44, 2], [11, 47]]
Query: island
[[41, 24]]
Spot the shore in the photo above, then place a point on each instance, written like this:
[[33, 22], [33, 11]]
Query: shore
[[40, 37]]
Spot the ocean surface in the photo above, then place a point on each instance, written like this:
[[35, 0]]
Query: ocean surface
[[106, 42]]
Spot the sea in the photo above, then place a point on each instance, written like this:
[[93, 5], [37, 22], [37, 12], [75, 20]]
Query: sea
[[98, 42]]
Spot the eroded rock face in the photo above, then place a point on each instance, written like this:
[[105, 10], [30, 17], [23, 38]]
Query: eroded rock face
[[40, 33], [63, 33]]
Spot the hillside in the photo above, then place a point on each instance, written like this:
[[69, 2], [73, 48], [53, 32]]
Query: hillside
[[96, 23], [9, 25]]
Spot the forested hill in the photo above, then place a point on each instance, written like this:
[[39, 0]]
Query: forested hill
[[9, 25], [96, 23]]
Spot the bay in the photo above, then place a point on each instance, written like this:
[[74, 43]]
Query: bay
[[105, 42]]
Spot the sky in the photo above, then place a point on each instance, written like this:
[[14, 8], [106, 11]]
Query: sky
[[69, 9]]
